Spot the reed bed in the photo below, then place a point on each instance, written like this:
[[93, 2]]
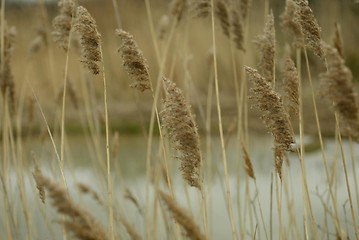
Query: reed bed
[[245, 115]]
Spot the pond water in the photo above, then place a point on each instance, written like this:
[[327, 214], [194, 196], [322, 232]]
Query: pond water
[[129, 172]]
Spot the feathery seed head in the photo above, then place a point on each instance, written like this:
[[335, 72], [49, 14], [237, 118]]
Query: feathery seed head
[[133, 61], [90, 40], [182, 131], [222, 13], [291, 87]]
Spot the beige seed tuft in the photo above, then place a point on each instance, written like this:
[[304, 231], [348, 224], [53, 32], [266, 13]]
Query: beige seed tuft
[[133, 61]]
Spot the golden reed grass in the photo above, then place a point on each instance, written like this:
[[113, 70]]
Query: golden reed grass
[[133, 61], [62, 23], [337, 86], [182, 131], [182, 217], [266, 47], [77, 220], [90, 40]]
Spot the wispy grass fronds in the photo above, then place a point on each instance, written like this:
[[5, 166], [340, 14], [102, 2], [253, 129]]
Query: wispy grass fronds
[[86, 189], [245, 6], [79, 221], [266, 47], [63, 22], [177, 9], [37, 174], [274, 115], [200, 8], [132, 232], [237, 28], [90, 40], [247, 162], [7, 83], [222, 13], [39, 41], [337, 85], [182, 217], [338, 40], [291, 87], [310, 27], [183, 133], [290, 21], [134, 62]]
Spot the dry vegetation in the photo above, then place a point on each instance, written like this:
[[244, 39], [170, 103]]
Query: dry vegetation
[[200, 70]]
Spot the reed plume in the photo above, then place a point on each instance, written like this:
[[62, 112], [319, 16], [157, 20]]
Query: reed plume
[[274, 115], [39, 41], [41, 189], [163, 27], [299, 18], [278, 160], [247, 162], [290, 21], [266, 47], [7, 83], [132, 232], [337, 86], [237, 28], [244, 6], [291, 87], [62, 23], [79, 221], [182, 217], [134, 62], [222, 13], [86, 189], [90, 40], [200, 8], [183, 133]]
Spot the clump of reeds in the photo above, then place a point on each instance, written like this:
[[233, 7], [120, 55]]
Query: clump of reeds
[[182, 217], [291, 87], [7, 84], [133, 61], [90, 40], [298, 17], [62, 23], [274, 114], [183, 133], [337, 85], [79, 221], [266, 47]]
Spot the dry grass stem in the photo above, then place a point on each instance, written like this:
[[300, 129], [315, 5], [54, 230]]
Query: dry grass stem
[[63, 22], [79, 221], [7, 83], [274, 115], [291, 87], [133, 61], [90, 40], [183, 133], [222, 13], [338, 40], [182, 217], [266, 47], [337, 85]]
